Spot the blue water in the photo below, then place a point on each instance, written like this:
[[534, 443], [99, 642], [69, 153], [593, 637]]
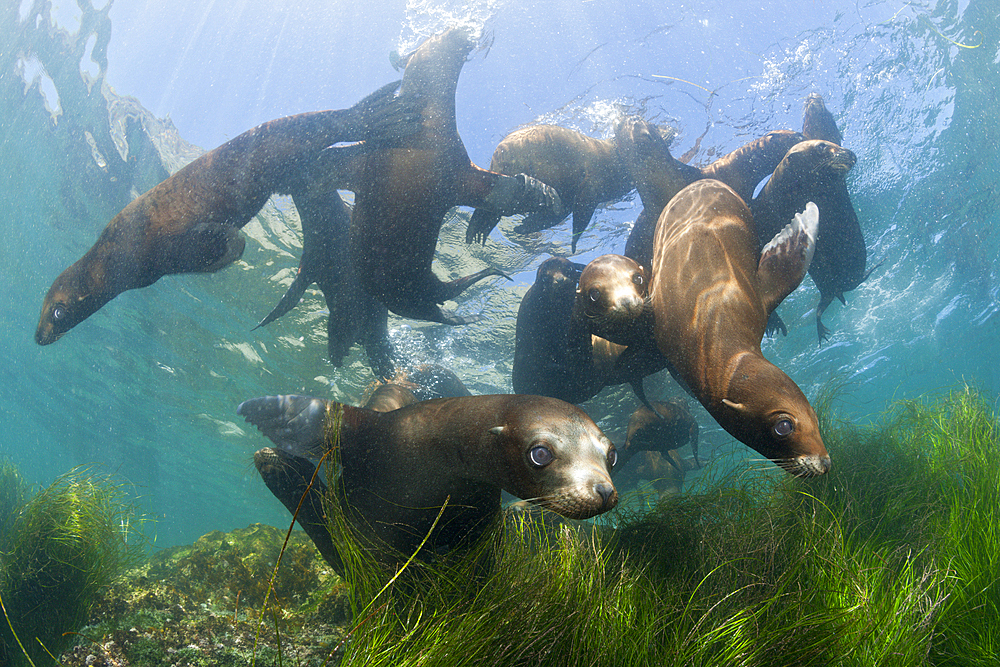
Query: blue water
[[147, 387]]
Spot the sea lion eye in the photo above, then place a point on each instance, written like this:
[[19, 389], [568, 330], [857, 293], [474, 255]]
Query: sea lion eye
[[594, 294], [540, 456], [58, 313], [638, 279], [783, 427], [612, 457]]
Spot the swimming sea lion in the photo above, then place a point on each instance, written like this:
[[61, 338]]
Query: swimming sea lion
[[400, 467], [814, 170], [552, 355], [355, 316], [403, 191], [584, 171], [818, 122], [556, 355], [664, 472], [669, 428], [190, 221], [659, 176], [711, 299], [611, 295]]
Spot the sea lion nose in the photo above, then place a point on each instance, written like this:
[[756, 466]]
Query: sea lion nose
[[608, 494]]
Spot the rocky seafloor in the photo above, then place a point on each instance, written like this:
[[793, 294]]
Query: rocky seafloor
[[204, 604]]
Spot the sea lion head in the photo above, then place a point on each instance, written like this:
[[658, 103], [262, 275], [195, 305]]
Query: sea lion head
[[816, 158], [612, 294], [557, 275], [556, 457], [769, 413], [72, 298]]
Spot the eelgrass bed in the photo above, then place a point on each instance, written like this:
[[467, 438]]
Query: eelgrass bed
[[893, 559]]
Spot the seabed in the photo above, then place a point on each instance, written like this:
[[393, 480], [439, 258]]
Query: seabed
[[892, 559]]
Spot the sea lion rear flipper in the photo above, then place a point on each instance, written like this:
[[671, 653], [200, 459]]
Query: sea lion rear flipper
[[293, 423], [785, 259], [293, 481], [291, 299]]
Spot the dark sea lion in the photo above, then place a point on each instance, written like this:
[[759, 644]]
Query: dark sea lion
[[711, 298], [669, 428], [611, 295], [814, 171], [584, 171], [355, 316], [554, 352], [400, 467], [189, 223], [659, 176], [818, 122], [548, 352], [403, 191]]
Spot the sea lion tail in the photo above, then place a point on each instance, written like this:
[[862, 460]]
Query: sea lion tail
[[296, 424]]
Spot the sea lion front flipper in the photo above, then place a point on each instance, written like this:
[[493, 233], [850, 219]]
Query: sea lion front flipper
[[521, 194], [785, 259], [293, 481], [775, 325], [382, 117], [482, 222], [582, 213], [291, 299], [293, 423], [204, 248]]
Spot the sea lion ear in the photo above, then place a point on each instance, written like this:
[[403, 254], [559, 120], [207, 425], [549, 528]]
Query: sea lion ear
[[497, 430], [739, 407]]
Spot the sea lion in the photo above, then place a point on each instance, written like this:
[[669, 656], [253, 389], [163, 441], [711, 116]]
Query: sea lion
[[400, 467], [403, 191], [552, 355], [611, 295], [814, 170], [659, 176], [355, 316], [711, 298], [554, 352], [189, 222], [669, 428], [818, 122], [584, 171]]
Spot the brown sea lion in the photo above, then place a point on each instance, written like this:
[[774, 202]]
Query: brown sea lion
[[659, 176], [355, 316], [814, 171], [189, 223], [400, 467], [403, 191], [584, 171], [611, 295], [711, 298], [669, 428]]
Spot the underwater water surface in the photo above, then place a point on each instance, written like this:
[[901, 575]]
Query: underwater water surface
[[147, 387]]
